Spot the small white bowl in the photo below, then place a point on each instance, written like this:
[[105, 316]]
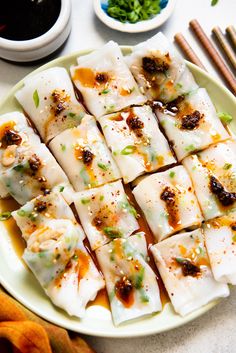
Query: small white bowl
[[141, 26], [42, 46]]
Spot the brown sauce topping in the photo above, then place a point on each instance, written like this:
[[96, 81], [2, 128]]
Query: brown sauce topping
[[11, 138], [188, 268], [233, 227], [191, 121], [84, 154], [88, 78], [101, 78], [225, 198], [174, 105], [5, 127], [103, 221], [101, 300], [45, 190], [168, 195], [87, 156], [60, 99], [134, 122], [40, 206], [154, 72], [125, 292], [35, 163], [154, 65], [98, 222]]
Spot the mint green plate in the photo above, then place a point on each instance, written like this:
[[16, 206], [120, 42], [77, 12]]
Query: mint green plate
[[20, 282]]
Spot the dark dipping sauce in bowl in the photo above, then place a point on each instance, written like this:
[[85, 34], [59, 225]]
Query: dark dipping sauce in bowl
[[27, 19]]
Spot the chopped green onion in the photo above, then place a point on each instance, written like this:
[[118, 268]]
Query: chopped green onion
[[214, 2], [19, 167], [172, 174], [84, 175], [61, 189], [143, 296], [133, 10], [105, 91], [4, 216], [190, 148], [110, 108], [127, 206], [103, 166], [201, 250], [63, 147], [101, 198], [180, 260], [225, 117], [227, 166], [138, 281], [179, 85], [33, 216], [128, 150], [112, 232], [36, 98], [21, 213], [85, 201]]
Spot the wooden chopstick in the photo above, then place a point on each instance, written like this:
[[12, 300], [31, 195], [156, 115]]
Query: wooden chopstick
[[225, 45], [214, 55], [188, 51], [231, 31]]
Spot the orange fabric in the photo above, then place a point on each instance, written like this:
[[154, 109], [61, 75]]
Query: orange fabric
[[21, 331]]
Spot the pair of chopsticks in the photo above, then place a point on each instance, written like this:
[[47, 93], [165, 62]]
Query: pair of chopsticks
[[211, 51]]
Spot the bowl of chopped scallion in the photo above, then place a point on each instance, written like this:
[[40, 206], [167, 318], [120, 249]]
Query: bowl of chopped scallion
[[133, 15]]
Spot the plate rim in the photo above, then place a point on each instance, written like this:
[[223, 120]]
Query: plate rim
[[125, 333]]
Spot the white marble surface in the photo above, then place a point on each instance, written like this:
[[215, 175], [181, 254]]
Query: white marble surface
[[215, 331]]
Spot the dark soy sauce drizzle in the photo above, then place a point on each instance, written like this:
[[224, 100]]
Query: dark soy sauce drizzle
[[27, 19]]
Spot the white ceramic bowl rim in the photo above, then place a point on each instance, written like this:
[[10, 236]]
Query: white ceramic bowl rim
[[140, 26], [45, 38]]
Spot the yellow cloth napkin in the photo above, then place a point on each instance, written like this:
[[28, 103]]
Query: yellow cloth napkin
[[21, 331]]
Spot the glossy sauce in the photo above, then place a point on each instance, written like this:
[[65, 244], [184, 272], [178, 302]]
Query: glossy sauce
[[125, 92], [124, 291], [6, 127], [27, 19], [102, 296], [171, 206], [80, 154], [89, 78], [83, 262], [101, 300]]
